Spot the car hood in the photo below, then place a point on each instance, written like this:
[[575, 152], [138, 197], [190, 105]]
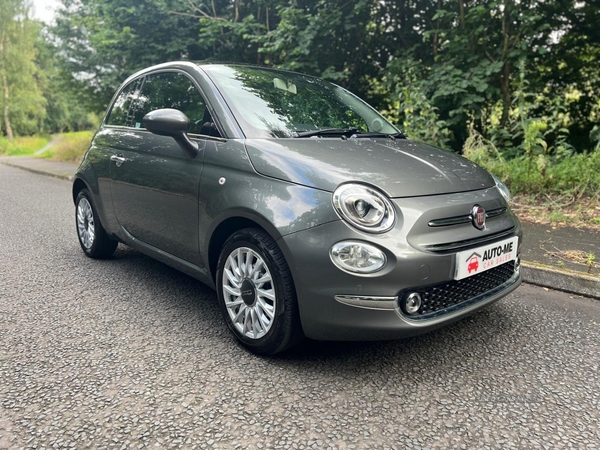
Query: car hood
[[401, 167]]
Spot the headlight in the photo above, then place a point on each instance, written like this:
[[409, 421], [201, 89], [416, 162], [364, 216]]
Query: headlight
[[364, 208], [357, 257], [502, 188]]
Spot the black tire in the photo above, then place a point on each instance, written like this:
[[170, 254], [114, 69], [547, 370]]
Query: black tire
[[101, 245], [285, 329]]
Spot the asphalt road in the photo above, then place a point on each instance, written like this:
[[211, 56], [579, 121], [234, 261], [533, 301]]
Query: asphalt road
[[129, 353]]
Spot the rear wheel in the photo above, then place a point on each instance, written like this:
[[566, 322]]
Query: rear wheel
[[256, 293], [92, 237]]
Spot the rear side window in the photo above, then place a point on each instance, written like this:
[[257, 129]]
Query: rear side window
[[170, 90], [119, 114]]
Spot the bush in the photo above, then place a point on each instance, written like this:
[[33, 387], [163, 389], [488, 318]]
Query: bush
[[573, 175], [70, 146]]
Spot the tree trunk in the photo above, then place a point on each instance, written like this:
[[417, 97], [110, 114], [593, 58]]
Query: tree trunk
[[437, 30], [7, 126], [505, 74], [506, 94]]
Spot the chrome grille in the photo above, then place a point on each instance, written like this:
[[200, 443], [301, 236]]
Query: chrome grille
[[463, 245], [464, 219], [435, 299]]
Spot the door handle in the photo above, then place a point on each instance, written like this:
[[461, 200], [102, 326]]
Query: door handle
[[118, 159]]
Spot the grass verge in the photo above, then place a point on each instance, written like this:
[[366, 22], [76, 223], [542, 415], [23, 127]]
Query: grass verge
[[23, 145], [69, 147]]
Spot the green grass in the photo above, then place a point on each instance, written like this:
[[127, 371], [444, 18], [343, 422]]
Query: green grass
[[69, 146], [65, 147], [23, 145], [558, 217]]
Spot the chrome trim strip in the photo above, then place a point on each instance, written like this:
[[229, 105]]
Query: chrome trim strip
[[368, 301], [449, 221], [468, 242], [455, 308], [495, 212], [464, 219]]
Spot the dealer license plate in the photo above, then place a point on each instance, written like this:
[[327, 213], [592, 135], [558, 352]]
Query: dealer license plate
[[474, 261]]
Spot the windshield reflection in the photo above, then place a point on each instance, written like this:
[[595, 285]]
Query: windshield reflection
[[276, 104]]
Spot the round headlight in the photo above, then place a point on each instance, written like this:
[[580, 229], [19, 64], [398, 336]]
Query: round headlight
[[357, 257], [502, 188], [364, 208]]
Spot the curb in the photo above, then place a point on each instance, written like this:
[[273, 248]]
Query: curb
[[563, 280], [39, 172]]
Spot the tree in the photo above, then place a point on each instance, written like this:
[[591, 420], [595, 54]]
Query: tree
[[67, 104], [102, 42], [23, 105], [453, 66]]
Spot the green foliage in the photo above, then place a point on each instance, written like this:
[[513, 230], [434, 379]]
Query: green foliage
[[437, 67], [412, 110], [66, 104], [574, 175], [21, 103], [512, 84], [543, 138], [104, 41], [533, 155], [542, 161], [69, 147], [23, 145], [482, 151]]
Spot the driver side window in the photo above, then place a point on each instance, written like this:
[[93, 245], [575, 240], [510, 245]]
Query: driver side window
[[172, 90]]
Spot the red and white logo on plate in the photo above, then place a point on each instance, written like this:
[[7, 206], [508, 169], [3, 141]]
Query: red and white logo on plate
[[474, 261]]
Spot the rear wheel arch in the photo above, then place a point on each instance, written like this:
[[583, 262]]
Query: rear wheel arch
[[79, 184], [93, 238]]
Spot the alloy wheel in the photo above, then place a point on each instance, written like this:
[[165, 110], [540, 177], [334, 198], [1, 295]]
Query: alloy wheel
[[249, 293], [85, 223]]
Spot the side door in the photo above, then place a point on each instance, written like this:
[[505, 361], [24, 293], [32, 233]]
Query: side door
[[154, 185]]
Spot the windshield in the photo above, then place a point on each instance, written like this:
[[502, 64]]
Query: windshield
[[270, 103]]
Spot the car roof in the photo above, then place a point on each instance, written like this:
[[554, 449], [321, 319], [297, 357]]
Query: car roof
[[205, 64]]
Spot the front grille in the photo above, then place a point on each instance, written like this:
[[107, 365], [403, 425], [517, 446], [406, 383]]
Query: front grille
[[469, 243], [457, 220], [435, 299]]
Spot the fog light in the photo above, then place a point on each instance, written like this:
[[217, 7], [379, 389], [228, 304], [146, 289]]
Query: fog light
[[357, 257], [412, 303], [517, 264]]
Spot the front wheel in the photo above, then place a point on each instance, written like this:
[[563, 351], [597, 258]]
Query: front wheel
[[92, 236], [256, 293]]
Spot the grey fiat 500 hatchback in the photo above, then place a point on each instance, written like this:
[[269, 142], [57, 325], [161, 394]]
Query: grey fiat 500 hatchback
[[307, 211]]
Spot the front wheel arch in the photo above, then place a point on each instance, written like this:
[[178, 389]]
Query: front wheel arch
[[78, 186], [223, 231]]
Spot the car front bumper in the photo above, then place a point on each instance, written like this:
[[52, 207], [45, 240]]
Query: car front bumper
[[337, 305]]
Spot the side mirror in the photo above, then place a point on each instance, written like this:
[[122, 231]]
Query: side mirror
[[174, 123]]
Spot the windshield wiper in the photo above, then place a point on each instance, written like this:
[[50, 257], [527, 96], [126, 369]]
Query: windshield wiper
[[372, 134], [328, 131], [349, 132]]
